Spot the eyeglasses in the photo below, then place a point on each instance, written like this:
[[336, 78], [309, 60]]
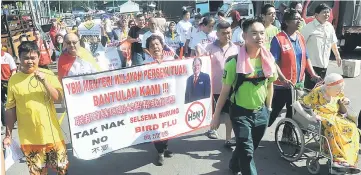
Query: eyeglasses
[[72, 42]]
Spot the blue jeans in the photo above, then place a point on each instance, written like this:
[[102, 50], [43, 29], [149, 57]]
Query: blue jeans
[[137, 59], [249, 128], [111, 36]]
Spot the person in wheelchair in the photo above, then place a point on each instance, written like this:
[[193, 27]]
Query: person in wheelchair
[[328, 105]]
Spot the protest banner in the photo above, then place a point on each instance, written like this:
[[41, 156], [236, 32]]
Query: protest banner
[[115, 109], [109, 57], [88, 28]]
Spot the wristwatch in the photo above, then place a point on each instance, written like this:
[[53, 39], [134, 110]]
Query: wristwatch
[[269, 109]]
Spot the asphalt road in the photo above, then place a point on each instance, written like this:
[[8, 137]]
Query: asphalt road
[[195, 154]]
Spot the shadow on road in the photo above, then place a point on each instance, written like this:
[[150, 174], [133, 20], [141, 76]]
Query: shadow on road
[[113, 162], [144, 154]]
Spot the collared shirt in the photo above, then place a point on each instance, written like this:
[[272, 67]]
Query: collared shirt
[[319, 39], [276, 52], [195, 78], [218, 60]]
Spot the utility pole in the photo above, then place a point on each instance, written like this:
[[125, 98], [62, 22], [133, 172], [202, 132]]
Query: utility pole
[[49, 9]]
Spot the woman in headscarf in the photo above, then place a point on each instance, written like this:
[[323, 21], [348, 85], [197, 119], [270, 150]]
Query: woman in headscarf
[[328, 103], [236, 28], [236, 18], [172, 38]]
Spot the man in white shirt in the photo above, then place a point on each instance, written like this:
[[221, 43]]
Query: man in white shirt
[[153, 30], [204, 37], [192, 34], [320, 39], [183, 26]]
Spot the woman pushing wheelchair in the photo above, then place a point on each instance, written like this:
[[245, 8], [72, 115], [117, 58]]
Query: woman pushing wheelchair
[[328, 104]]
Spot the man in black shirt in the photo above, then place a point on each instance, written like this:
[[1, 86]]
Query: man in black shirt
[[135, 36]]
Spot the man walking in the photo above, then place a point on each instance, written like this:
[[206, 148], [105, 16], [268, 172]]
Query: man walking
[[320, 39], [251, 74], [219, 51], [31, 96]]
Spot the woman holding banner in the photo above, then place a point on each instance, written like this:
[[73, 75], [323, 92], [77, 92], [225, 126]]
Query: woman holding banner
[[155, 46]]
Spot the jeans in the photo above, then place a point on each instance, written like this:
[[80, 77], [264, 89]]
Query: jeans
[[111, 36], [161, 146], [281, 97], [122, 59], [249, 128], [137, 59], [309, 84]]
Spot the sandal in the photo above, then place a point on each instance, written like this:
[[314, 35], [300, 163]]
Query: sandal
[[342, 166]]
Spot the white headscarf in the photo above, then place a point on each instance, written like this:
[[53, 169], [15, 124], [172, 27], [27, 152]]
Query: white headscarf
[[334, 80]]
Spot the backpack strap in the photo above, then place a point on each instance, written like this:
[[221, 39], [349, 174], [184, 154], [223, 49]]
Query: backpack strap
[[241, 78]]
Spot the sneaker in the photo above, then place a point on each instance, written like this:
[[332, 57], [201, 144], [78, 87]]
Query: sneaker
[[212, 134], [160, 159], [230, 143], [16, 125], [168, 154]]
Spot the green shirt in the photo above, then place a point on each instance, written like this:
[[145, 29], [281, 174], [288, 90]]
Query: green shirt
[[270, 32], [248, 95]]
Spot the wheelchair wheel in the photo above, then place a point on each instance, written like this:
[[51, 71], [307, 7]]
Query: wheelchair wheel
[[313, 165], [291, 144]]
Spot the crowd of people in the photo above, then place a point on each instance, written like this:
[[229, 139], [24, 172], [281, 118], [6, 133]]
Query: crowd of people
[[254, 64]]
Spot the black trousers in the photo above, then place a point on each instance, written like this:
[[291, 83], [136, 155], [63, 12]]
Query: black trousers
[[309, 84], [161, 146], [4, 90], [281, 97]]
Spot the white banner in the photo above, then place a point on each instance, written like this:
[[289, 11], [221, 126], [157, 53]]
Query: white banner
[[108, 58], [92, 27], [112, 110]]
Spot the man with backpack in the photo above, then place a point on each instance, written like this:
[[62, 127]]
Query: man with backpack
[[248, 77]]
